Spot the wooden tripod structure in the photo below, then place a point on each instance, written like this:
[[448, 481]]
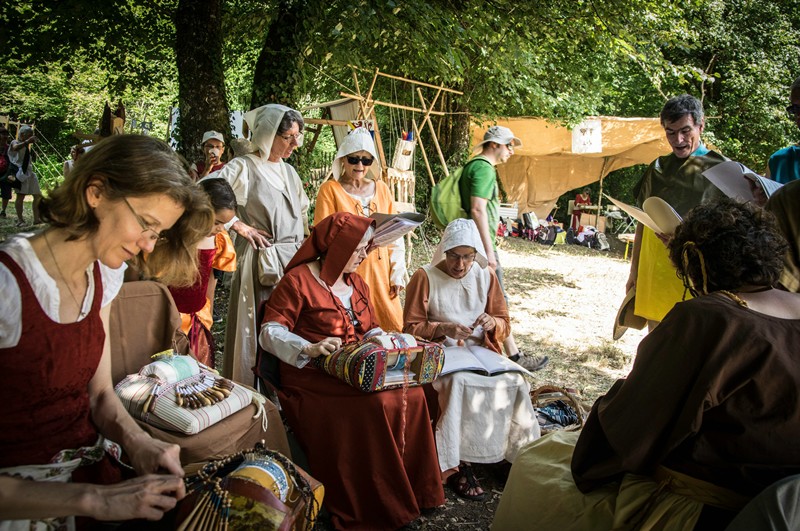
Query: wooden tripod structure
[[367, 105]]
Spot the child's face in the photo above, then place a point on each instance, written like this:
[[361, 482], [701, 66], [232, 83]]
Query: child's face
[[221, 217]]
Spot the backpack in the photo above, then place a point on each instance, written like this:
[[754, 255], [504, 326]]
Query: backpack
[[547, 236], [571, 239], [600, 242], [446, 198]]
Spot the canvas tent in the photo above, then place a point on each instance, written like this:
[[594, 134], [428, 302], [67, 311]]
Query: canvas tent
[[554, 159]]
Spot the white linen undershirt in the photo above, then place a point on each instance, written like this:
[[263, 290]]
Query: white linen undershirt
[[278, 340], [44, 288]]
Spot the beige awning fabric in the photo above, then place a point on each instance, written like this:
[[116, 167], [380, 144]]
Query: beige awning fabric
[[545, 166]]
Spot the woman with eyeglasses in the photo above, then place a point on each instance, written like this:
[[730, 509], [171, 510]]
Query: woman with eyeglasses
[[129, 195], [272, 223], [457, 300], [352, 439], [354, 190]]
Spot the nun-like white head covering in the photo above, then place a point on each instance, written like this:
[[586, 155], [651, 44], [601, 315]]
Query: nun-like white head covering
[[359, 139], [264, 122], [460, 232]]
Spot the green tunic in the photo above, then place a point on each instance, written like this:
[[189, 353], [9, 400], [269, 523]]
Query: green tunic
[[479, 179]]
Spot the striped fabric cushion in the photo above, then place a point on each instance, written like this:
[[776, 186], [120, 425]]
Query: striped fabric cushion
[[159, 380]]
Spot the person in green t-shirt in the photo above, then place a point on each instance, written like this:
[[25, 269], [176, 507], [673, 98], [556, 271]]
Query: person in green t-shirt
[[481, 201]]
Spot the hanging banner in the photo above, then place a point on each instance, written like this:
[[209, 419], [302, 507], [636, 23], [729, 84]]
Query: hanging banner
[[587, 137]]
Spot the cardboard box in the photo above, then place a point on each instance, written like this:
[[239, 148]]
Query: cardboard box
[[589, 219]]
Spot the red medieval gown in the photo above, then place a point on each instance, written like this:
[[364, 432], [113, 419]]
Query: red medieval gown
[[353, 439]]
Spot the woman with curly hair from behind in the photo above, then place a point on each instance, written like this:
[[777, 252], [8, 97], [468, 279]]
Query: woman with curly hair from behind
[[705, 418]]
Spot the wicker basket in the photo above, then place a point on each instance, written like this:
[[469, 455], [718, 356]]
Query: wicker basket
[[545, 394]]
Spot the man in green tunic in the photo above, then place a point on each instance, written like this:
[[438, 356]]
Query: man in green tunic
[[481, 201], [678, 179]]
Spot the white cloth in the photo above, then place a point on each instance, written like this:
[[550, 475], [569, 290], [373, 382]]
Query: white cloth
[[461, 232], [28, 180], [397, 256], [483, 419], [44, 287], [359, 139], [263, 123]]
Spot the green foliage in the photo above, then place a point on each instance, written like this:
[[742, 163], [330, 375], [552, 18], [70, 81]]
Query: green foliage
[[563, 60]]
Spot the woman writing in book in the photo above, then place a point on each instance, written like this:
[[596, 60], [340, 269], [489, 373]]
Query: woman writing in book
[[700, 424], [353, 190], [458, 300], [384, 439]]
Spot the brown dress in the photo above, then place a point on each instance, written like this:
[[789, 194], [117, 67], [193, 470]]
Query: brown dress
[[713, 395]]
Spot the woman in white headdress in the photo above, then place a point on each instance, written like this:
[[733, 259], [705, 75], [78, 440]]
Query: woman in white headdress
[[272, 223], [355, 189], [457, 299]]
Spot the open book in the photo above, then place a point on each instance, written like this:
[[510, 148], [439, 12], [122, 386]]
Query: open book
[[656, 214], [737, 181], [479, 359], [390, 227]]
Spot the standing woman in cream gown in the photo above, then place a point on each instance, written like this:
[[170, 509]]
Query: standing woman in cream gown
[[354, 190], [272, 223]]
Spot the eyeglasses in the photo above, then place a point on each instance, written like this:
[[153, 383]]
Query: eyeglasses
[[146, 229], [297, 137], [455, 257], [793, 110], [366, 161]]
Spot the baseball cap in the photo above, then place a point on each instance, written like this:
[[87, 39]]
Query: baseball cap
[[208, 135], [500, 135]]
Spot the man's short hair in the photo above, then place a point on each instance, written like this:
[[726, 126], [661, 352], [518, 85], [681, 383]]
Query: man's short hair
[[679, 106], [795, 85]]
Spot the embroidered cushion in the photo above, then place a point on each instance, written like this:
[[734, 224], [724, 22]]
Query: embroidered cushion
[[385, 361]]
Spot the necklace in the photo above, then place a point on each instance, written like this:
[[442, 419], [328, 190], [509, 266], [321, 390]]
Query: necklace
[[81, 313]]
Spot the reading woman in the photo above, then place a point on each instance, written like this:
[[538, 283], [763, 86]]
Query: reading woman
[[352, 190], [374, 452], [457, 299]]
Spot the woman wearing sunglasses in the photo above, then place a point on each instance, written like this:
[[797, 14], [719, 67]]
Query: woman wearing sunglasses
[[354, 190]]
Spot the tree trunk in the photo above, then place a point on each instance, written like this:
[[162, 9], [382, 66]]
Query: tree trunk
[[278, 75], [201, 79], [456, 131]]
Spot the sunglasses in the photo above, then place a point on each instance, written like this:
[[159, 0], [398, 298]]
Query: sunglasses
[[793, 109], [366, 161]]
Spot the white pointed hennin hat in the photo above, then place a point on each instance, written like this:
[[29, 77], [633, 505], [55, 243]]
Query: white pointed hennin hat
[[264, 122], [461, 232]]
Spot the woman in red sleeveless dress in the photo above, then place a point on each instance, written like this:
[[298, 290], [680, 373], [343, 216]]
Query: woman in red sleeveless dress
[[129, 194]]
